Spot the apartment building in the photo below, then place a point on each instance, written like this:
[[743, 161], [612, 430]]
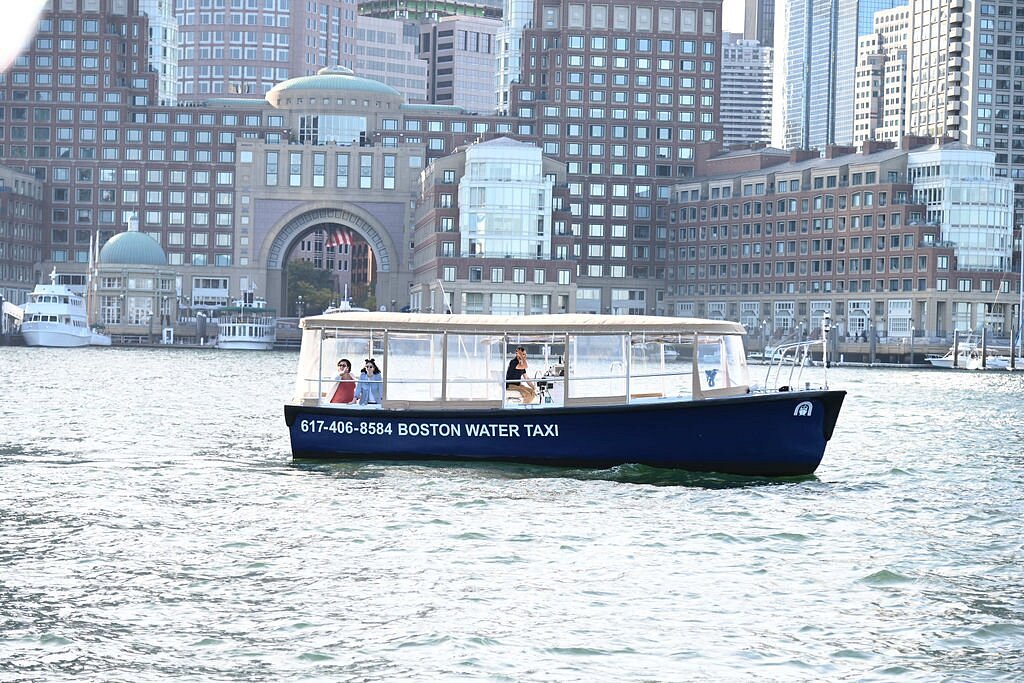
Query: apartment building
[[876, 240], [21, 233], [492, 233]]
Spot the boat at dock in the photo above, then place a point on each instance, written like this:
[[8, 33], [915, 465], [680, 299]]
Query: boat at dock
[[248, 325], [594, 403], [970, 356], [56, 316], [344, 306]]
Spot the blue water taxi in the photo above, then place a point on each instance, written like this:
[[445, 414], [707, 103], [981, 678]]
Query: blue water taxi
[[590, 400]]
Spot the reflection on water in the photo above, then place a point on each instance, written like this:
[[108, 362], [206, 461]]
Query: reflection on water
[[154, 527], [626, 474]]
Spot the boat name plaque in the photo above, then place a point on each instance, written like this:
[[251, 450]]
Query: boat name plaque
[[429, 429]]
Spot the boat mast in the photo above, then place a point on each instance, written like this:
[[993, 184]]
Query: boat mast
[[89, 303]]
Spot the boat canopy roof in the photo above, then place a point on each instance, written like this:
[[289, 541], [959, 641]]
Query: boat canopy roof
[[572, 323]]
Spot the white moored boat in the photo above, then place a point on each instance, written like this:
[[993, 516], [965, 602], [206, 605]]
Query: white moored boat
[[248, 325], [56, 316], [966, 358]]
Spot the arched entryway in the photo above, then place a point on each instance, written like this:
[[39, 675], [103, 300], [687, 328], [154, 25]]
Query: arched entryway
[[369, 240]]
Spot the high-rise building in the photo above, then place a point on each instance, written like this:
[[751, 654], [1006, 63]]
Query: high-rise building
[[163, 47], [246, 51], [746, 103], [622, 94], [859, 13], [420, 10], [387, 51], [966, 80], [759, 21], [518, 14], [816, 57], [461, 55], [881, 88]]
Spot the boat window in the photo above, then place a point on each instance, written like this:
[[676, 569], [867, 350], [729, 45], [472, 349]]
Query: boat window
[[414, 370], [597, 366], [476, 368], [721, 364], [318, 360], [660, 366]]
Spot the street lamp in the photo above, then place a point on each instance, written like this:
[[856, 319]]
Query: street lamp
[[872, 341], [300, 306]]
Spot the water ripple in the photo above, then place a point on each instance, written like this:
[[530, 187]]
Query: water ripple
[[155, 528]]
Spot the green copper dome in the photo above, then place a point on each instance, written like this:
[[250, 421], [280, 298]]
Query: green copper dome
[[334, 78], [133, 248]]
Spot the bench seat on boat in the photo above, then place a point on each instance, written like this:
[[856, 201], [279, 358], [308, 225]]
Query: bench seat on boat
[[596, 401]]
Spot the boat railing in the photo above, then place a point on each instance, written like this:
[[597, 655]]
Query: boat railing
[[550, 388], [787, 362]]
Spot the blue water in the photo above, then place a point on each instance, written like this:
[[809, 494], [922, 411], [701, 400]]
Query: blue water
[[153, 527]]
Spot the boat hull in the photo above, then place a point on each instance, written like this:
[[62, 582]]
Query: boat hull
[[245, 345], [99, 339], [778, 434], [947, 363], [55, 336]]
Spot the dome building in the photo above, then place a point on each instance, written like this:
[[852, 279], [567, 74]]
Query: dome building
[[135, 290], [336, 188]]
